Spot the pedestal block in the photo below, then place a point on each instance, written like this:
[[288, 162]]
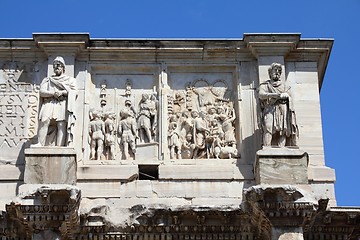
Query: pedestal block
[[281, 166], [150, 150], [47, 165]]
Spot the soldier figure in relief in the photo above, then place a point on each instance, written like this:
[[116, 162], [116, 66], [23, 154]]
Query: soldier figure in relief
[[110, 134], [96, 133], [56, 118], [278, 115], [128, 132], [147, 118], [174, 141]]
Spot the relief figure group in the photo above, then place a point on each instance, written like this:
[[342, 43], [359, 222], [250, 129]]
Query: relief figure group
[[201, 123], [201, 119], [133, 128]]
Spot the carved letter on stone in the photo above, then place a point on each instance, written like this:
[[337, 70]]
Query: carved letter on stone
[[278, 115], [18, 106]]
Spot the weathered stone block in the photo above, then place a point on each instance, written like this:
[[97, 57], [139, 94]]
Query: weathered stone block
[[321, 174], [109, 188], [281, 166], [50, 165], [150, 150], [107, 172], [196, 172]]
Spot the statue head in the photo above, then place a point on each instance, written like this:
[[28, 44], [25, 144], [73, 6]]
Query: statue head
[[128, 103], [59, 65], [275, 71], [194, 114], [95, 114], [188, 137], [110, 115], [220, 110], [145, 96], [212, 110], [124, 113]]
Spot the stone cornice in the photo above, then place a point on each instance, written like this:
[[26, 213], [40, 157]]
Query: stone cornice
[[289, 45], [61, 42], [271, 44]]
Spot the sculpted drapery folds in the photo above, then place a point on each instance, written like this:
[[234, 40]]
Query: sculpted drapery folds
[[278, 115], [56, 119]]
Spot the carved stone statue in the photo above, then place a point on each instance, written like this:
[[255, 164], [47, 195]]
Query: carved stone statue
[[128, 133], [110, 135], [96, 133], [200, 132], [278, 115], [56, 118], [174, 142], [228, 128], [147, 118]]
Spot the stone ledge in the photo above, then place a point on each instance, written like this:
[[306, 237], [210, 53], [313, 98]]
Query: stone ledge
[[204, 172], [321, 174], [100, 189], [49, 150], [277, 151], [98, 172]]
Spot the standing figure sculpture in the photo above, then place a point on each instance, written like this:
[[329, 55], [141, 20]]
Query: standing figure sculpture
[[110, 135], [56, 118], [228, 129], [96, 134], [278, 115], [174, 141], [147, 118], [128, 132], [200, 132]]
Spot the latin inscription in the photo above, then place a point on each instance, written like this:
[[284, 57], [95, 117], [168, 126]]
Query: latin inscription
[[18, 113]]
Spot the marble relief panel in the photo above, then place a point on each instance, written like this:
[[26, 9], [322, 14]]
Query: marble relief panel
[[201, 116], [123, 112]]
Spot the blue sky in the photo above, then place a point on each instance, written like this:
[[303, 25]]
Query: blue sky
[[335, 19]]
